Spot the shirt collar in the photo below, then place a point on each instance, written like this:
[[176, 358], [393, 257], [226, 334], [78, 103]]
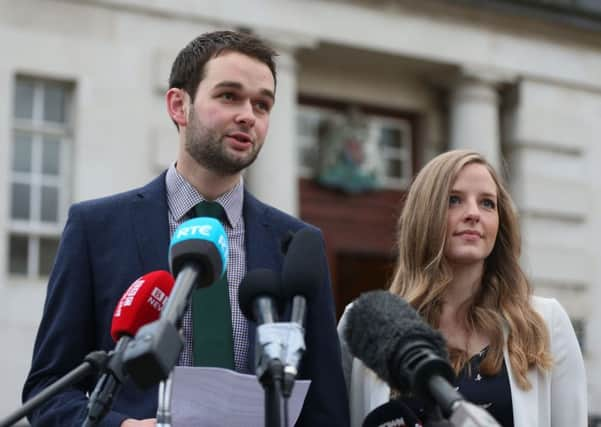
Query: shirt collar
[[182, 197]]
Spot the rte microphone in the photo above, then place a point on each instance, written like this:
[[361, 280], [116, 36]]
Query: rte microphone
[[141, 303], [387, 334], [302, 276], [198, 256]]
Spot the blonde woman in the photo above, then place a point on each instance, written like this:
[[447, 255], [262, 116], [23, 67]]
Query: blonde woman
[[458, 266]]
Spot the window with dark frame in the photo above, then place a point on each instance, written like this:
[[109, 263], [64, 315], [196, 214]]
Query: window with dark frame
[[384, 143]]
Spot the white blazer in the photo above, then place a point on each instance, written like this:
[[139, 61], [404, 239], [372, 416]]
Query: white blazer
[[558, 398]]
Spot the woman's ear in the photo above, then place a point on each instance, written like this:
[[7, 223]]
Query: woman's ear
[[177, 105]]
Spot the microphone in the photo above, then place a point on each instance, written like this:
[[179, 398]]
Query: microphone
[[387, 334], [141, 303], [302, 275], [198, 256], [258, 296]]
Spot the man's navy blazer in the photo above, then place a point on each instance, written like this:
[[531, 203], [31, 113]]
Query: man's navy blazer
[[106, 244]]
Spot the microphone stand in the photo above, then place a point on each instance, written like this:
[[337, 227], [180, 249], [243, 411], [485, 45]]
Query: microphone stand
[[113, 375], [94, 361], [271, 381], [164, 403], [459, 412], [435, 418], [295, 348], [270, 370]]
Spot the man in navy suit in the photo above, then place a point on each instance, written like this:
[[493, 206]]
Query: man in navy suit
[[222, 89]]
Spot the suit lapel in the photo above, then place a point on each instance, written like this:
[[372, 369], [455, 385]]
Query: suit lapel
[[262, 250], [150, 224]]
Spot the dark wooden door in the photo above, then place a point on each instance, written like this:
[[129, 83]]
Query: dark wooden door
[[358, 273], [360, 232]]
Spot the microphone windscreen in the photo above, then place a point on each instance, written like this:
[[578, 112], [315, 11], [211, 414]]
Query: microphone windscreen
[[258, 283], [378, 325], [141, 303], [394, 413], [201, 241], [302, 272]]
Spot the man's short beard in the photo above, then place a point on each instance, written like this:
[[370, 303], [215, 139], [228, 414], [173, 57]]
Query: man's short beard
[[208, 149]]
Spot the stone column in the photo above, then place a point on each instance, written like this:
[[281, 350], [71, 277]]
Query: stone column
[[474, 115], [273, 178]]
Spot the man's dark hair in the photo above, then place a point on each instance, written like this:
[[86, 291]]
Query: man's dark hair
[[189, 66]]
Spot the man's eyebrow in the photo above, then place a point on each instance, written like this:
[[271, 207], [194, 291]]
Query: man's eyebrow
[[268, 93], [236, 85]]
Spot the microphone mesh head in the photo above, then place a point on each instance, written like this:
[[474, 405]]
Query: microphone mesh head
[[258, 283], [141, 303], [303, 273], [379, 324]]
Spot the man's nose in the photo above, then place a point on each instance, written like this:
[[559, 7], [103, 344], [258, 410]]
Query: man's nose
[[246, 115]]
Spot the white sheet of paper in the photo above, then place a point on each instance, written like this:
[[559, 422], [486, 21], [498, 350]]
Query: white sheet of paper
[[208, 397]]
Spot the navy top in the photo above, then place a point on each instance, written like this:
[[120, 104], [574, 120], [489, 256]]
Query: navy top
[[492, 393]]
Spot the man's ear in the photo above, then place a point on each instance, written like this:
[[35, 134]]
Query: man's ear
[[177, 105]]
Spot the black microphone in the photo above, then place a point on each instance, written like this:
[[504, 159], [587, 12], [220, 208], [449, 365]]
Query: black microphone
[[259, 295], [302, 276], [198, 256], [302, 273], [387, 334]]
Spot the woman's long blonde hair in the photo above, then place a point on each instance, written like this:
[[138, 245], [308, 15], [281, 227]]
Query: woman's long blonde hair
[[503, 300]]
